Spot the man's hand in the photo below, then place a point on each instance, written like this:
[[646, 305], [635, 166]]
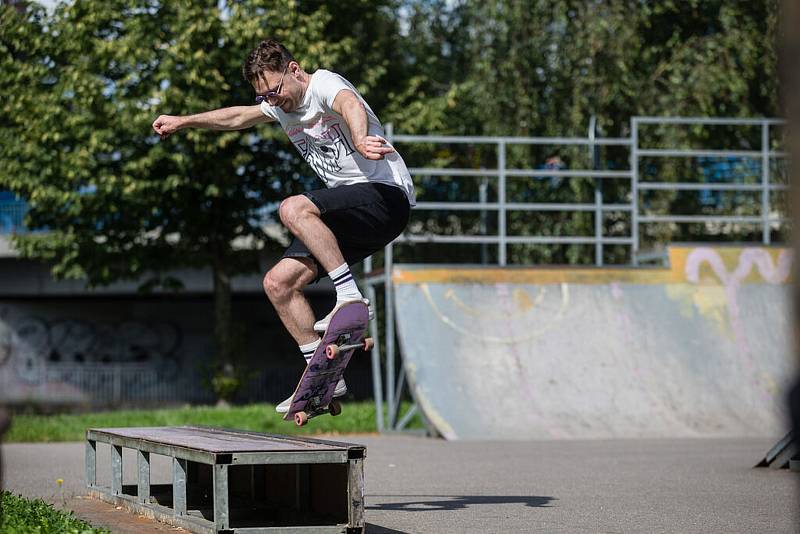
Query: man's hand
[[166, 125], [373, 147]]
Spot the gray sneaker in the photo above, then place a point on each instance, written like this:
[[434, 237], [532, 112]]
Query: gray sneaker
[[340, 391], [322, 325]]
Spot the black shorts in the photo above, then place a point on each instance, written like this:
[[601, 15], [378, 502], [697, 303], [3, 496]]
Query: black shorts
[[363, 217]]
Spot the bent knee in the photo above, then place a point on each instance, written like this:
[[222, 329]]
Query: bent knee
[[294, 208], [291, 209], [275, 285], [279, 282]]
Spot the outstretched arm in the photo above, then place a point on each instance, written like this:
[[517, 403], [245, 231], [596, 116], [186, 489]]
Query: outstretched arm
[[348, 105], [233, 118]]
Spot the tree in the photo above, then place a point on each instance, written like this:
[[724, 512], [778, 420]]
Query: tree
[[544, 68], [81, 89]]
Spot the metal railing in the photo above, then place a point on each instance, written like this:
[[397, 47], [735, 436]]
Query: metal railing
[[395, 384], [765, 156], [502, 173], [140, 385]]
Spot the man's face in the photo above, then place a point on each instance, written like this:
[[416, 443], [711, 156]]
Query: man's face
[[280, 89]]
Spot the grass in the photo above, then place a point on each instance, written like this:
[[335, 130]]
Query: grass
[[23, 516], [356, 417]]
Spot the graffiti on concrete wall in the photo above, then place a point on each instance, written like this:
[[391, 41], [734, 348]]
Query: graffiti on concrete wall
[[760, 259], [30, 344], [752, 263]]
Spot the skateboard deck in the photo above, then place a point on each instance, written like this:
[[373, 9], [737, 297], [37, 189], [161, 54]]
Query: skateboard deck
[[314, 393]]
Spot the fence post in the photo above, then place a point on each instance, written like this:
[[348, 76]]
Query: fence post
[[501, 200], [765, 231], [483, 197], [634, 190], [389, 299], [598, 195], [375, 353], [117, 381]]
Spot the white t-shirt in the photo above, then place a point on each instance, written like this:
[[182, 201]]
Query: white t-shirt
[[323, 139]]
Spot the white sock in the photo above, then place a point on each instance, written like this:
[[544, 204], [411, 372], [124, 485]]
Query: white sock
[[309, 348], [345, 284]]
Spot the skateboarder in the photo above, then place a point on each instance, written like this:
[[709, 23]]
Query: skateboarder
[[368, 191]]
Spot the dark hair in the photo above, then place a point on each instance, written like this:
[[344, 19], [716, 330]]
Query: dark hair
[[269, 55]]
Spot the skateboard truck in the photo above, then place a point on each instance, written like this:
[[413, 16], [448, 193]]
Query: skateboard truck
[[334, 408], [333, 350]]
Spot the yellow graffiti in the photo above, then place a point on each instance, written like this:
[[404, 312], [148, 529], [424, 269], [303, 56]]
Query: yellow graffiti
[[710, 302]]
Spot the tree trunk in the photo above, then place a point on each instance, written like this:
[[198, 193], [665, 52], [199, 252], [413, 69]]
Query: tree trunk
[[222, 323]]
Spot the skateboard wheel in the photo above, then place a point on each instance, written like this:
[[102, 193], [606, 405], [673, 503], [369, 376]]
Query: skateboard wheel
[[300, 418], [335, 408], [331, 351], [368, 344]]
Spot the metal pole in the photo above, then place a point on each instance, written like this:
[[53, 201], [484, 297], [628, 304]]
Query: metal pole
[[116, 469], [398, 393], [143, 478], [179, 486], [389, 299], [221, 501], [91, 463], [375, 355], [483, 198], [598, 195], [117, 383], [765, 231], [501, 200], [598, 222], [634, 189]]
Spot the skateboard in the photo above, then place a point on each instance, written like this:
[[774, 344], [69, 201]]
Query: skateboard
[[314, 393]]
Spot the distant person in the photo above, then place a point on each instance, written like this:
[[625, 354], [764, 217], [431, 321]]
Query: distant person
[[554, 163], [368, 190]]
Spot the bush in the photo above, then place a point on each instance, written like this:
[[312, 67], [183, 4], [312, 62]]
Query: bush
[[21, 515]]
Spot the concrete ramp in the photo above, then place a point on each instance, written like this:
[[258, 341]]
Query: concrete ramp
[[698, 349]]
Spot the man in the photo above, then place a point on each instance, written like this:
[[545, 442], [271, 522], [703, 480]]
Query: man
[[368, 193]]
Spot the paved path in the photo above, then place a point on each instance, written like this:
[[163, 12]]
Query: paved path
[[427, 485]]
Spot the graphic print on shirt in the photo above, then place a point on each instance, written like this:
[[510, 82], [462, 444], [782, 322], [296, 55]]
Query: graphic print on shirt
[[324, 151]]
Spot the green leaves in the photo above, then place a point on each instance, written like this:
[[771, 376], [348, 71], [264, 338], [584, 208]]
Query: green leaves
[[36, 516], [84, 85]]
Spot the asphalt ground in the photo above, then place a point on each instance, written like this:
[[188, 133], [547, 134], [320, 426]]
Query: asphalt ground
[[418, 484]]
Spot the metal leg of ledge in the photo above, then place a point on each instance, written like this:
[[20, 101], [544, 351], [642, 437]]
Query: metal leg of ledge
[[221, 516], [179, 486], [143, 479], [91, 463], [116, 470], [355, 489]]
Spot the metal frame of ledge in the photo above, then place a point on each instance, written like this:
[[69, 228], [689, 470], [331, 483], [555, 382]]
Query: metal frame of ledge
[[232, 481]]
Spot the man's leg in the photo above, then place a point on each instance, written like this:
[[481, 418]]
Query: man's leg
[[284, 285], [303, 218]]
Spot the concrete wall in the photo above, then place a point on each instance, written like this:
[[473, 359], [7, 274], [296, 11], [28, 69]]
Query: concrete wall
[[63, 344]]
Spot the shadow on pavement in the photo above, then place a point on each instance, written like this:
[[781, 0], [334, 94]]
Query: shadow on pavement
[[422, 503], [370, 528]]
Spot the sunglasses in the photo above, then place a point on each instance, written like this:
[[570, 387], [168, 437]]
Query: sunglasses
[[270, 95]]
